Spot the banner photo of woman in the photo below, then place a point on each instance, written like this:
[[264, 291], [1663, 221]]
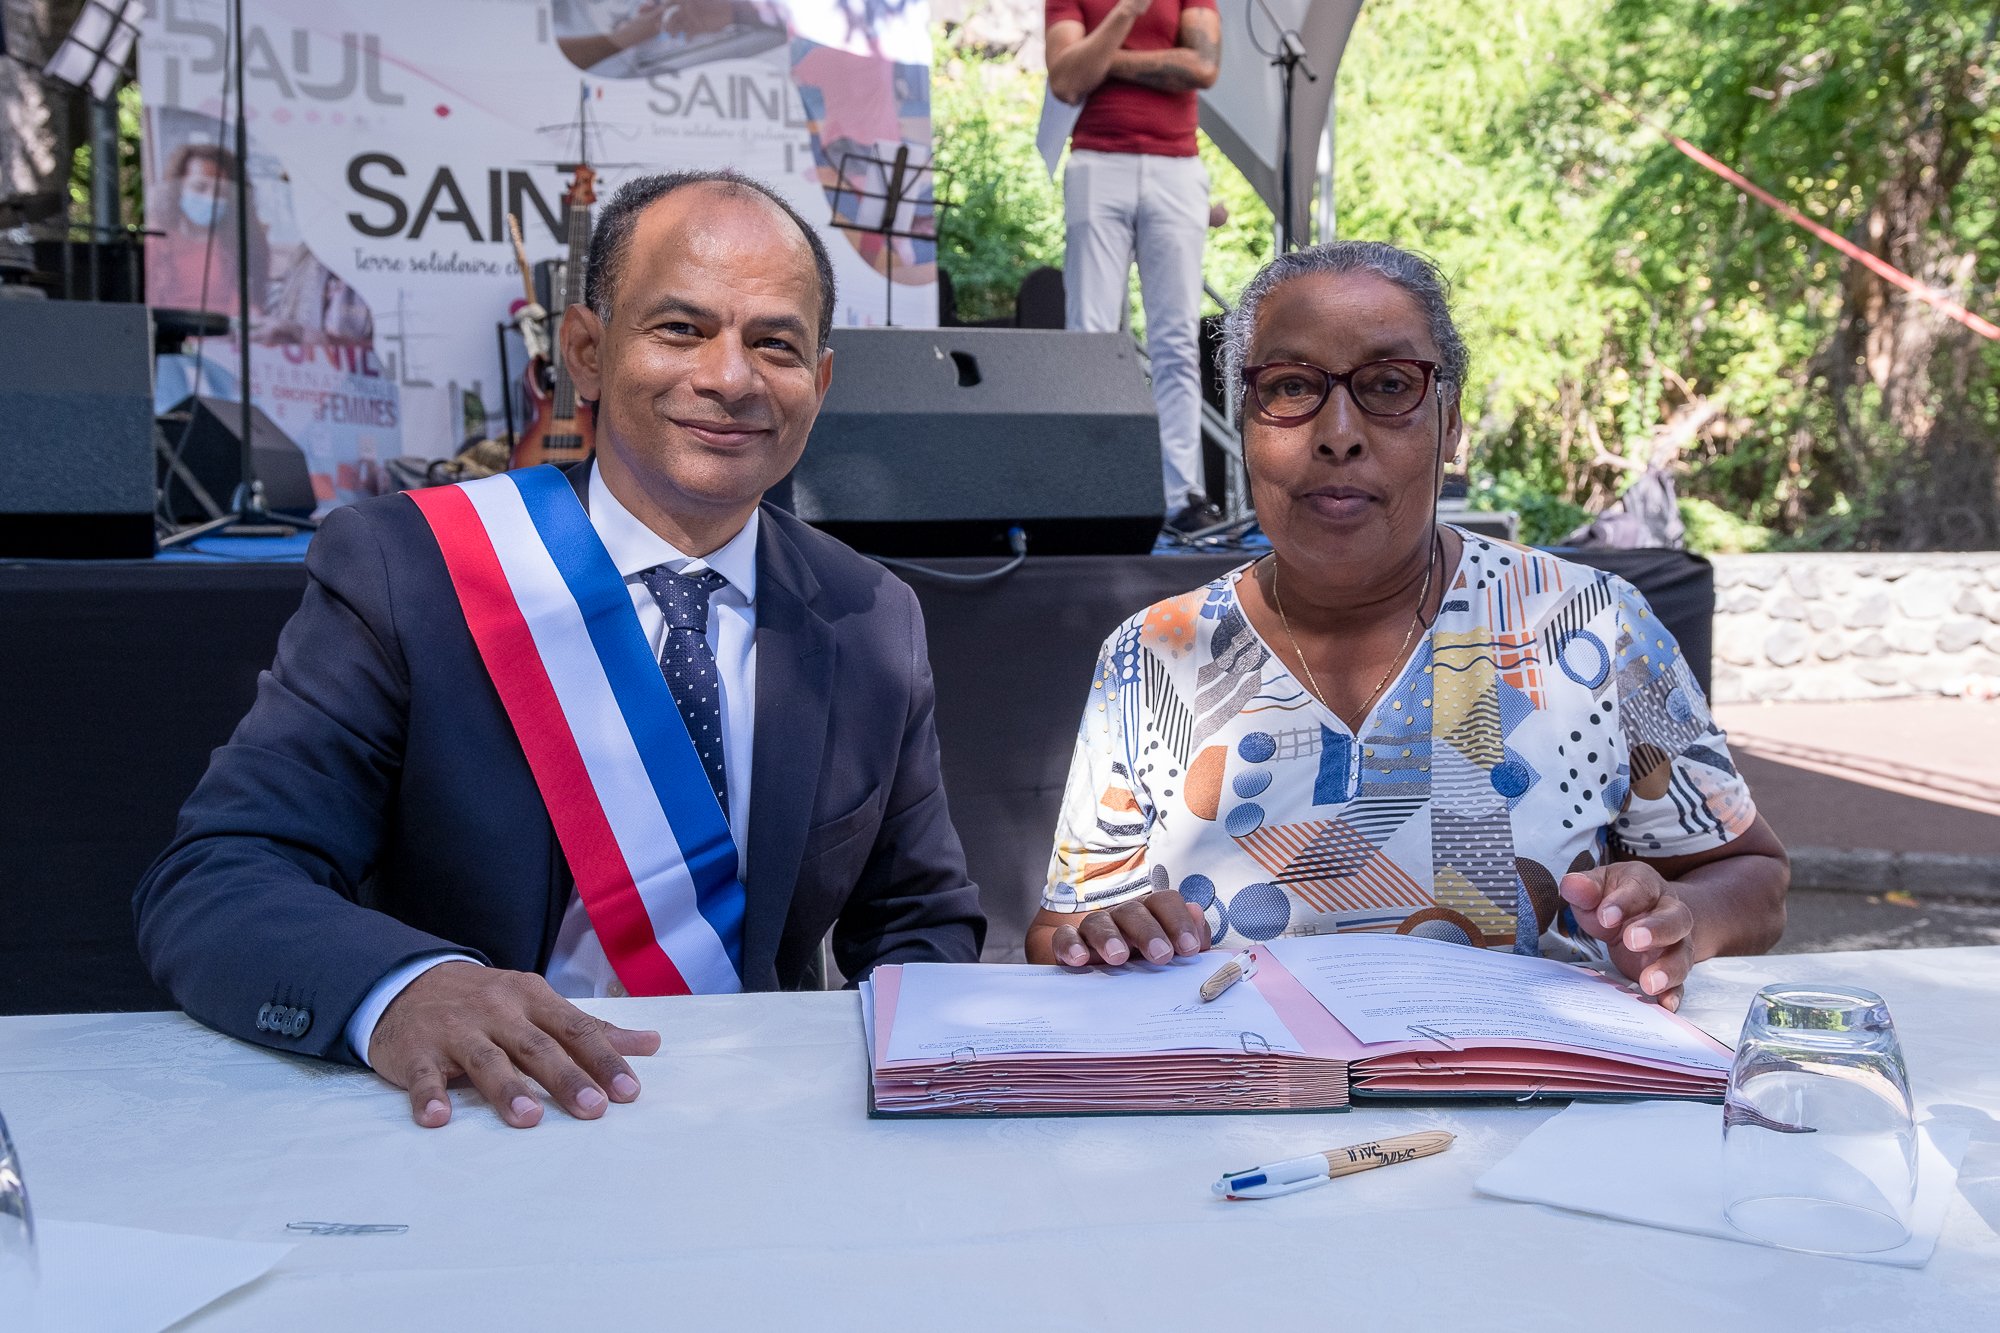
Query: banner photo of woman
[[313, 366]]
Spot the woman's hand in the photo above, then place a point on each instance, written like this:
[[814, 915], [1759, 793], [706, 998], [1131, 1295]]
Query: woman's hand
[[644, 24], [1155, 927], [692, 17], [1650, 929], [1664, 914]]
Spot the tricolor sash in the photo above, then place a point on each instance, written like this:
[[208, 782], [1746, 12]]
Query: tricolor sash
[[649, 845]]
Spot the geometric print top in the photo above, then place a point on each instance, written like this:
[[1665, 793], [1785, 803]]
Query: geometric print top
[[1547, 719]]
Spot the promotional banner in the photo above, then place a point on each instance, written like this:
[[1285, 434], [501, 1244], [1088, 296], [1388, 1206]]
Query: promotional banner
[[389, 141]]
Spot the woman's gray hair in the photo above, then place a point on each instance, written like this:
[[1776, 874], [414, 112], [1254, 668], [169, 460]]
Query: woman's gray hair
[[1415, 274]]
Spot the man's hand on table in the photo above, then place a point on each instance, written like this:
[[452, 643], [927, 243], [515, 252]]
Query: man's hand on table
[[1155, 927], [494, 1027], [1649, 928]]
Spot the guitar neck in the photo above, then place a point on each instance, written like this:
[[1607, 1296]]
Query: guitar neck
[[579, 253]]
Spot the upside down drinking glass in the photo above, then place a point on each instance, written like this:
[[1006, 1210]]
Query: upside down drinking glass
[[17, 1233], [1819, 1147]]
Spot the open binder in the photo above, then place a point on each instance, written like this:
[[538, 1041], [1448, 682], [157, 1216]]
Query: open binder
[[1322, 1023]]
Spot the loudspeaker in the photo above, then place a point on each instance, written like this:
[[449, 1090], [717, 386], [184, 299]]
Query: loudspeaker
[[214, 454], [934, 442], [76, 431]]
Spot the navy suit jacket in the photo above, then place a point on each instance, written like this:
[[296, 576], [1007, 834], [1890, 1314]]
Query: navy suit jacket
[[375, 807]]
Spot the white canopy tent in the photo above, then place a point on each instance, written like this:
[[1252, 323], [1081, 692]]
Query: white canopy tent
[[1243, 112]]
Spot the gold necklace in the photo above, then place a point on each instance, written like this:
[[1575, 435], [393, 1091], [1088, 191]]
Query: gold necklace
[[1312, 682]]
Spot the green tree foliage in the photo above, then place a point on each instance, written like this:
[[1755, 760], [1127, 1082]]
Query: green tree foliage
[[1009, 215], [1614, 291], [1881, 121], [131, 184], [1440, 148]]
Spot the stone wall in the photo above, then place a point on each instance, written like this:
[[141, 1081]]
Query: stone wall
[[1854, 626]]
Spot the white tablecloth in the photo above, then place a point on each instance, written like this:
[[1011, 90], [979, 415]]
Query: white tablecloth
[[746, 1189]]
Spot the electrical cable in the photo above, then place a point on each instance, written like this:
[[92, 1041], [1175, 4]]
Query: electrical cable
[[1437, 484], [1250, 26], [1228, 535], [1017, 541]]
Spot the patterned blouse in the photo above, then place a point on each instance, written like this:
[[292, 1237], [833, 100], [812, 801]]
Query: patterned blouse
[[1546, 720]]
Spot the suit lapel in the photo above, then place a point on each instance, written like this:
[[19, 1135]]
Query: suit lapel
[[579, 480], [794, 698]]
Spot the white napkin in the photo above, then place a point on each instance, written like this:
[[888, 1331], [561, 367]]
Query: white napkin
[[1584, 1159], [124, 1280]]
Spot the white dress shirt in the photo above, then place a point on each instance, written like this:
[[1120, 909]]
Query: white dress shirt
[[578, 967]]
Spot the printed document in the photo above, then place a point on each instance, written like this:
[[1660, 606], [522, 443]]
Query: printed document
[[1058, 119], [1400, 988], [946, 1008]]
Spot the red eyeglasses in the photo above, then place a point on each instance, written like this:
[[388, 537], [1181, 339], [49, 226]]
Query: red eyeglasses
[[1293, 392]]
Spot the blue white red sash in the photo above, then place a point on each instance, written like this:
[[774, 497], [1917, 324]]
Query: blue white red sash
[[654, 861]]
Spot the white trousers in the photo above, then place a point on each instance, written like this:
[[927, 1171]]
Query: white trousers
[[1116, 206]]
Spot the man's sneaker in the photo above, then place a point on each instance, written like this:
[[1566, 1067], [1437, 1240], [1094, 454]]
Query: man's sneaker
[[1198, 513]]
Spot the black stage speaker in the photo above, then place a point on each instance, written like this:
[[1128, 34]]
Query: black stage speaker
[[213, 453], [935, 441], [76, 431]]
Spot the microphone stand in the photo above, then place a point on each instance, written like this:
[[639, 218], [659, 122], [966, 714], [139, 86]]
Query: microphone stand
[[1291, 58], [247, 509]]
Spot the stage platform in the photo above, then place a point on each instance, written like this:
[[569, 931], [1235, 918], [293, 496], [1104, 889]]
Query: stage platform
[[120, 677]]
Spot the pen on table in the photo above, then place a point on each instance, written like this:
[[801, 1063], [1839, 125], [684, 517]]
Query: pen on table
[[1299, 1173], [1242, 965]]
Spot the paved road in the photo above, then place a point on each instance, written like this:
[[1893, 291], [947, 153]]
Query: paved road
[[1819, 922], [1893, 775], [1896, 775]]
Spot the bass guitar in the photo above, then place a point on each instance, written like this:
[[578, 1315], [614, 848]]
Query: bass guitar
[[561, 430]]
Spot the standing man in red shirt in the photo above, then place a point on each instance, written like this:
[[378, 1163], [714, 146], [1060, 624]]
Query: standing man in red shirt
[[1135, 186]]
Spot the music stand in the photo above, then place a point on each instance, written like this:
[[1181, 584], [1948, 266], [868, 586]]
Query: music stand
[[901, 185]]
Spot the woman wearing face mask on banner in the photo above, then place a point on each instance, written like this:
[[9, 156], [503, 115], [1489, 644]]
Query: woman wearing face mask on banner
[[195, 211]]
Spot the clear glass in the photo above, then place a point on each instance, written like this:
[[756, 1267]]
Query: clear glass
[[1819, 1148], [17, 1234]]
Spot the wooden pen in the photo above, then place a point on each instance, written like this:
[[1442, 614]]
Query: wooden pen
[[1241, 966], [1298, 1173]]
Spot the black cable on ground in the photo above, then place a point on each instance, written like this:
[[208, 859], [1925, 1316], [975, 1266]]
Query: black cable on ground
[[1216, 531], [1017, 540]]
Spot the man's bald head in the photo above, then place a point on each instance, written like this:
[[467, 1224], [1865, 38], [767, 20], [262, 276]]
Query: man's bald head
[[612, 237]]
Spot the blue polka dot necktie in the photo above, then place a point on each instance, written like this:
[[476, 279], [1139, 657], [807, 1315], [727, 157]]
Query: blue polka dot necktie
[[689, 666]]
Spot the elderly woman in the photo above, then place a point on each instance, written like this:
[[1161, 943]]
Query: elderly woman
[[1389, 724]]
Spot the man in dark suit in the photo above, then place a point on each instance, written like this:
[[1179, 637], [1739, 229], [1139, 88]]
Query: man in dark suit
[[368, 871]]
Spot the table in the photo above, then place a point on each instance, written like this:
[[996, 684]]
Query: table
[[746, 1189], [127, 675]]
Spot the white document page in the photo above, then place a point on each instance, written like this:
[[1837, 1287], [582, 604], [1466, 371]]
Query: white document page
[[1399, 988], [106, 1279], [1058, 119], [997, 1009]]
